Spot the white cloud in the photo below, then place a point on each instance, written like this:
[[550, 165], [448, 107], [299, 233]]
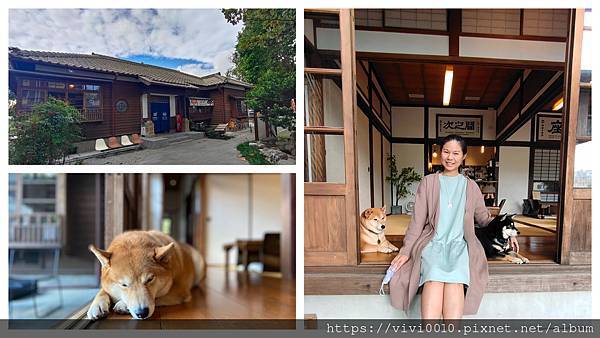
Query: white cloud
[[195, 69], [197, 34]]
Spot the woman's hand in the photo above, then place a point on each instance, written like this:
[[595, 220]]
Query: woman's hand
[[398, 261], [514, 244]]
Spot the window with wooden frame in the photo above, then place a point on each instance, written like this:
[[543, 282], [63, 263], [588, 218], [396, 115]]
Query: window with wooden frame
[[369, 17], [330, 203], [545, 22], [416, 18], [87, 98], [545, 175], [491, 21], [323, 117]]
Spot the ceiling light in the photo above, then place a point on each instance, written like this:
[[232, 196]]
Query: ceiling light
[[472, 98], [558, 104], [416, 96], [434, 154], [482, 149], [448, 85]]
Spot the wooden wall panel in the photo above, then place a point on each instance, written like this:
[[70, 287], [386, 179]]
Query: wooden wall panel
[[324, 229], [82, 209], [581, 228], [128, 122]]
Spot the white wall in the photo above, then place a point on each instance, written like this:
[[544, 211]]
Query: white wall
[[377, 179], [308, 30], [334, 144], [227, 211], [512, 49], [362, 149], [489, 120], [409, 155], [513, 178], [407, 121], [523, 134], [386, 42]]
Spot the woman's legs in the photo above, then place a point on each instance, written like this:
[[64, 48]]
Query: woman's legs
[[454, 301], [431, 300]]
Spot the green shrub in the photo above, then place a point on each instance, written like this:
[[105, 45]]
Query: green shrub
[[252, 154], [44, 136]]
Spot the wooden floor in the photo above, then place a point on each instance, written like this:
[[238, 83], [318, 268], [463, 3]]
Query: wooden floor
[[536, 240], [223, 295], [539, 249]]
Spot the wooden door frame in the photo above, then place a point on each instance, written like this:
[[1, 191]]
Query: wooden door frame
[[568, 141], [349, 188]]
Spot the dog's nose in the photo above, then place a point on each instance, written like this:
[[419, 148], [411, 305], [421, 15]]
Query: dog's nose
[[383, 226], [142, 313]]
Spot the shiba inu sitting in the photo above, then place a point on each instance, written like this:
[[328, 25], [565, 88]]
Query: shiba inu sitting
[[142, 270], [372, 237]]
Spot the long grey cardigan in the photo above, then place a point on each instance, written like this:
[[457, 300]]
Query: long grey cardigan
[[421, 229]]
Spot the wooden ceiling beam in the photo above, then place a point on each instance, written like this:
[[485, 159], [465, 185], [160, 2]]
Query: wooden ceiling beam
[[487, 86], [455, 60]]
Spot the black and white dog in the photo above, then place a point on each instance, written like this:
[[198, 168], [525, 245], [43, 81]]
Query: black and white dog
[[495, 239]]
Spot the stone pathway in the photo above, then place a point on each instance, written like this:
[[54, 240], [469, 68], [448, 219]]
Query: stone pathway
[[204, 151]]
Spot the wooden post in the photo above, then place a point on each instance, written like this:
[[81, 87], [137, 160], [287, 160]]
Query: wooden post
[[61, 204], [570, 110], [348, 60], [199, 216], [113, 210], [288, 233]]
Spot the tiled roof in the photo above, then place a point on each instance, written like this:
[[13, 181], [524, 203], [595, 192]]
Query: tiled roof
[[109, 64]]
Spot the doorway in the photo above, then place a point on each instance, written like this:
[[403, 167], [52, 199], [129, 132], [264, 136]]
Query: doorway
[[160, 111]]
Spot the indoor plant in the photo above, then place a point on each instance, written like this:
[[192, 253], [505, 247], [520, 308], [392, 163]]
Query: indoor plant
[[401, 180]]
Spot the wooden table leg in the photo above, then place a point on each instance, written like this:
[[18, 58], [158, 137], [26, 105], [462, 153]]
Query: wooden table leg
[[245, 258], [226, 260]]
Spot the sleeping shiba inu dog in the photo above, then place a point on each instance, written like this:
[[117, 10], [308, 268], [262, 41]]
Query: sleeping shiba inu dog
[[495, 239], [372, 237], [142, 270]]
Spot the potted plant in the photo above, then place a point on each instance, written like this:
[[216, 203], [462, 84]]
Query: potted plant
[[401, 181]]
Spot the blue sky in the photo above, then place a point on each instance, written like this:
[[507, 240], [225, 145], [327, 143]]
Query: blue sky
[[168, 62], [196, 41]]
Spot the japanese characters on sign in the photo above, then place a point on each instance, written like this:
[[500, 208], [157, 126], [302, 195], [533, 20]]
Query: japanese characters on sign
[[549, 128], [468, 126], [201, 102]]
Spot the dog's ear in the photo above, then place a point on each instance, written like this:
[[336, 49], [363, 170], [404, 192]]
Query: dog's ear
[[162, 252], [367, 213], [383, 209], [103, 256]]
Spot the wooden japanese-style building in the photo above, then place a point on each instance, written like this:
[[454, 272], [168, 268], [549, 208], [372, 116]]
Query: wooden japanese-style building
[[116, 97]]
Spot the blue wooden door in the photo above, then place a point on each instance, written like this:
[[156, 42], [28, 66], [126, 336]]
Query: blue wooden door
[[160, 116]]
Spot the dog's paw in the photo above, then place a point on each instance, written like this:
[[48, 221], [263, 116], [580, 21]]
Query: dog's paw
[[99, 308], [393, 247], [517, 260], [525, 260], [384, 249], [121, 308]]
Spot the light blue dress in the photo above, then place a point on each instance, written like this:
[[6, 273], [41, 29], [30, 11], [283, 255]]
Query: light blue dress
[[445, 258]]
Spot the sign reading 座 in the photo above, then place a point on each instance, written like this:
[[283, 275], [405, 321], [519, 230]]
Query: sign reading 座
[[549, 128]]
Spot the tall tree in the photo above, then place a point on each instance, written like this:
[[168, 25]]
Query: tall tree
[[265, 55]]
